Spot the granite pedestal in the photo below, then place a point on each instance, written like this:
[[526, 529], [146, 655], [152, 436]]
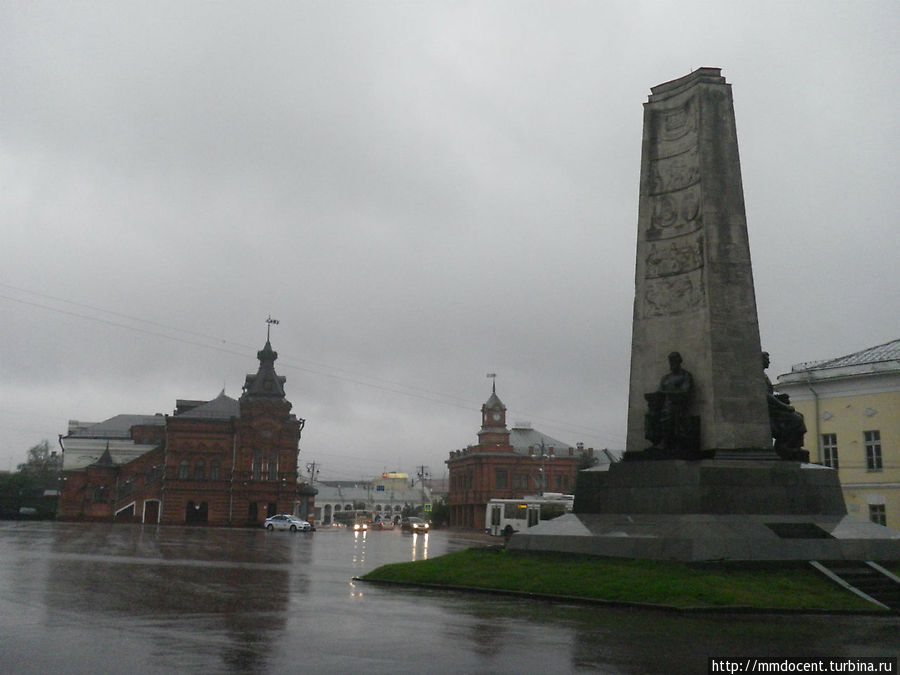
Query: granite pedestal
[[712, 510]]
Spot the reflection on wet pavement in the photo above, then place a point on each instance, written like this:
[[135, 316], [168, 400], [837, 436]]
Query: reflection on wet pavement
[[138, 599]]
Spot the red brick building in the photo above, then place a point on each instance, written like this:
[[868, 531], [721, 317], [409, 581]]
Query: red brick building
[[507, 464], [218, 462]]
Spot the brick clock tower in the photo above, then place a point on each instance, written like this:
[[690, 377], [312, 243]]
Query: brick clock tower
[[493, 435]]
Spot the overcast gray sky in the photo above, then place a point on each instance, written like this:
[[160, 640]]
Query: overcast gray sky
[[422, 193]]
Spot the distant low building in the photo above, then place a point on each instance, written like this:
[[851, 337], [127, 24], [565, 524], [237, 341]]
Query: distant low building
[[851, 405], [508, 464], [217, 462], [388, 497]]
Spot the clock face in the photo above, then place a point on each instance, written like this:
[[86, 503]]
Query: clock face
[[496, 417]]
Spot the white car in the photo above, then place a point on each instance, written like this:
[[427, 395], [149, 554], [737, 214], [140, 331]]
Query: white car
[[414, 525], [285, 521]]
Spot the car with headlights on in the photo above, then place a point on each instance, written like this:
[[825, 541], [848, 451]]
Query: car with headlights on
[[414, 525], [285, 521]]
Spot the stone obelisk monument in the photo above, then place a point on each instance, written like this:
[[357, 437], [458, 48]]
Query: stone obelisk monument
[[693, 280], [702, 479]]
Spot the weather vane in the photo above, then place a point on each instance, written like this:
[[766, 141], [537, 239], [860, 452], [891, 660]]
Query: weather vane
[[493, 377], [269, 323]]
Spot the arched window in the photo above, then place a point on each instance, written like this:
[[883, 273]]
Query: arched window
[[273, 466], [184, 470], [214, 469], [348, 507], [257, 465], [337, 507], [200, 470], [378, 507]]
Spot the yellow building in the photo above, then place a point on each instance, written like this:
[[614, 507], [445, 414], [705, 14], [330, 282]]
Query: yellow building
[[852, 410]]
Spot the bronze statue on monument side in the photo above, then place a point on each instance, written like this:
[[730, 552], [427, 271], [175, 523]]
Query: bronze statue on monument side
[[788, 425], [667, 424]]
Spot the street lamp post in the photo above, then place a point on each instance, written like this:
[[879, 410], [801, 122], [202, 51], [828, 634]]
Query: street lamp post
[[543, 467], [423, 474]]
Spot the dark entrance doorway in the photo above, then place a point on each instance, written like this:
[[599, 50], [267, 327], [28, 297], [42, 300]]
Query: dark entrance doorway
[[195, 514], [151, 511]]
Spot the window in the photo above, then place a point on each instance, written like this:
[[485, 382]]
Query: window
[[257, 465], [562, 483], [273, 466], [200, 470], [520, 481], [873, 450], [514, 511], [184, 470], [877, 514], [214, 469], [830, 450], [501, 479]]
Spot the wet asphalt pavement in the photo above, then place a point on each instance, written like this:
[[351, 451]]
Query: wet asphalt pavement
[[103, 598]]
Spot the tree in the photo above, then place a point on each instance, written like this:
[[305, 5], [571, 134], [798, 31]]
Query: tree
[[17, 490], [440, 513], [24, 492], [42, 463]]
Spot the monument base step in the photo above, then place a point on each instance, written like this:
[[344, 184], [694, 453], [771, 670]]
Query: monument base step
[[708, 537], [729, 486], [759, 454]]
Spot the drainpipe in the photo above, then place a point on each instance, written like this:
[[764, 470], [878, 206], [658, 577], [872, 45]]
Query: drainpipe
[[816, 408], [231, 485], [165, 480]]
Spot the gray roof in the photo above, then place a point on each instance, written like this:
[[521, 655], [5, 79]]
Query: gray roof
[[118, 426], [522, 438], [890, 351], [222, 407]]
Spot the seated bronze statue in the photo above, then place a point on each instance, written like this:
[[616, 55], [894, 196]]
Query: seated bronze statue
[[788, 425], [667, 424]]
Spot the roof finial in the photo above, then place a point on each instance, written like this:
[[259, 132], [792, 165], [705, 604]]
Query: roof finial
[[493, 377], [269, 323]]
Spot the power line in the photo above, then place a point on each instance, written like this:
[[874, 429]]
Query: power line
[[314, 368]]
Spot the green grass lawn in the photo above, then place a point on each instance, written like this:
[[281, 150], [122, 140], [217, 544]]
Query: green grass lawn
[[633, 581]]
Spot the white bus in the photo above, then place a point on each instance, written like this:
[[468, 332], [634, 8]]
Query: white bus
[[507, 516]]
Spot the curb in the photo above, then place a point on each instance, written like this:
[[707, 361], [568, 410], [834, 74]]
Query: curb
[[574, 599]]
